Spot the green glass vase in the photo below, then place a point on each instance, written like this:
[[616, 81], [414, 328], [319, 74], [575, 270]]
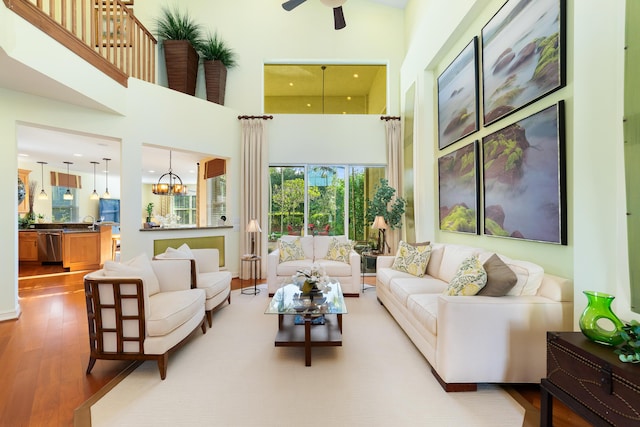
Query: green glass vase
[[599, 307]]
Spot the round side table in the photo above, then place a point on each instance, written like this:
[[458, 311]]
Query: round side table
[[254, 261]]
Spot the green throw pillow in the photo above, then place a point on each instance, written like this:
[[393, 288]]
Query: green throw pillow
[[412, 259], [500, 278], [339, 251], [469, 278], [290, 251]]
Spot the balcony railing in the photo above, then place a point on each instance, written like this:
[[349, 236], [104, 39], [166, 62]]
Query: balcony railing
[[103, 32]]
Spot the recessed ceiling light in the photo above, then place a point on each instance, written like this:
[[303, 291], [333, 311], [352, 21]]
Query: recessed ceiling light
[[192, 171], [308, 105], [152, 171], [355, 76], [344, 112], [23, 155], [290, 83], [77, 155], [348, 98]]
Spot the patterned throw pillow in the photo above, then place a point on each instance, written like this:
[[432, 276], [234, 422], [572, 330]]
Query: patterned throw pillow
[[290, 251], [339, 251], [412, 259], [469, 278]]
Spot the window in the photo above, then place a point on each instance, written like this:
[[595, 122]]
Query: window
[[185, 208], [321, 200], [64, 210], [325, 89], [217, 199]]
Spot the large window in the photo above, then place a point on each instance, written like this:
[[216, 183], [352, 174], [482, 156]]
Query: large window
[[64, 210], [217, 199], [325, 89], [321, 200]]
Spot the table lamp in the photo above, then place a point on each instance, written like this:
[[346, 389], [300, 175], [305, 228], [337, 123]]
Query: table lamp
[[380, 224], [253, 227]]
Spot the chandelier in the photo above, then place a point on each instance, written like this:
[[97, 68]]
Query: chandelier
[[174, 185]]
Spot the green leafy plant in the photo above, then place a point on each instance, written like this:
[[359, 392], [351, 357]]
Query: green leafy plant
[[379, 206], [176, 25], [213, 48], [149, 210], [629, 350]]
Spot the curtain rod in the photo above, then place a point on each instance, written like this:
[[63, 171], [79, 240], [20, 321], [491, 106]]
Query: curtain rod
[[255, 117], [387, 118]]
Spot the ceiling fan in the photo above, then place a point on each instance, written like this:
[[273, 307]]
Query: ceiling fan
[[338, 15]]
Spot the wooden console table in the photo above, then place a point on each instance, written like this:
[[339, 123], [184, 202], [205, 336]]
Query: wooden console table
[[589, 379]]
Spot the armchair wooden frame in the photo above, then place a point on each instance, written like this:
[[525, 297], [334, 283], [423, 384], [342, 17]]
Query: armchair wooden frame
[[122, 291], [194, 285]]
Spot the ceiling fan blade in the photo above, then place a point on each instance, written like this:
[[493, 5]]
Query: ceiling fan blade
[[338, 18], [292, 4]]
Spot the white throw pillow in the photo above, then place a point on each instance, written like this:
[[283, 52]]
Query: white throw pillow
[[183, 252], [469, 278], [140, 266]]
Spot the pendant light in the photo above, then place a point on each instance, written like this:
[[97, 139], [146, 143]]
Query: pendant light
[[94, 195], [43, 194], [173, 187], [67, 195], [106, 194]]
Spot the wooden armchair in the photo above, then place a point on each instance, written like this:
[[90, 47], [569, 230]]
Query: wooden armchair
[[141, 310]]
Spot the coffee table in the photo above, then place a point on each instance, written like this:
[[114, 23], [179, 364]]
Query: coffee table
[[289, 304]]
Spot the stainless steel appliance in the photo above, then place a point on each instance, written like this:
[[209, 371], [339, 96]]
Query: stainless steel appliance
[[49, 246]]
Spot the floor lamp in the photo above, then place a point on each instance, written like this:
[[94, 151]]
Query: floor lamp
[[380, 224], [253, 227]]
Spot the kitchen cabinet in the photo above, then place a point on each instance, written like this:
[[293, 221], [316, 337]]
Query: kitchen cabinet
[[86, 250], [28, 246]]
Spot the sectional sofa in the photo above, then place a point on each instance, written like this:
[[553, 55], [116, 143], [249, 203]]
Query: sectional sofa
[[477, 339]]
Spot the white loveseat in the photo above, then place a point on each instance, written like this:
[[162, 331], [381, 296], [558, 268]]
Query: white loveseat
[[315, 251], [477, 339]]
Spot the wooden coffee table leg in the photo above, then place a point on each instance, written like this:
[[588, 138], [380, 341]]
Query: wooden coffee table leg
[[307, 341]]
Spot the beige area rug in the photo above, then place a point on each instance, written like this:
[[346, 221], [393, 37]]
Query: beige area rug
[[234, 376]]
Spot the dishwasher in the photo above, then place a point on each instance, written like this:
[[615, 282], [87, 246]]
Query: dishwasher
[[49, 246]]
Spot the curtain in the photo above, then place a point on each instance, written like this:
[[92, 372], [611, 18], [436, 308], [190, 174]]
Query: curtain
[[253, 181], [393, 130]]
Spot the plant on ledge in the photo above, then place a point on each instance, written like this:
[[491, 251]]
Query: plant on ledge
[[180, 36], [217, 58], [629, 350]]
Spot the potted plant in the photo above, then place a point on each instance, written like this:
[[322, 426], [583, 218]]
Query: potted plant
[[149, 210], [179, 35], [381, 206], [217, 58]]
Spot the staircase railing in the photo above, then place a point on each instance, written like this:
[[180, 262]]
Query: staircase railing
[[103, 32]]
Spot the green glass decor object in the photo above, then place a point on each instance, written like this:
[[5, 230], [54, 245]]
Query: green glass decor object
[[599, 307]]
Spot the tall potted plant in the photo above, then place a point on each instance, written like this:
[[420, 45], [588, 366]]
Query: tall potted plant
[[217, 58], [179, 35], [381, 205]]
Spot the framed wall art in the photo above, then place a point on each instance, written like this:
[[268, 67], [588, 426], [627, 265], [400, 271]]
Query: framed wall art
[[458, 97], [524, 179], [523, 55], [458, 190]]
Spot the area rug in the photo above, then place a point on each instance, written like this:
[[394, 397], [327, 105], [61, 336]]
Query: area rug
[[234, 376]]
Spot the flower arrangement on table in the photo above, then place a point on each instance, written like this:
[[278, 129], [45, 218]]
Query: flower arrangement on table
[[310, 278]]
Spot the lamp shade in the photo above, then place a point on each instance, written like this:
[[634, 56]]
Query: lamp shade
[[253, 226], [379, 223]]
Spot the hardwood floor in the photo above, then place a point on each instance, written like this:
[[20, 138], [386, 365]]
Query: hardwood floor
[[44, 354]]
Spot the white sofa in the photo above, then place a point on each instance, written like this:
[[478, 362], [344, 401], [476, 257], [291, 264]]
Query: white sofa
[[141, 309], [205, 274], [477, 339], [315, 251]]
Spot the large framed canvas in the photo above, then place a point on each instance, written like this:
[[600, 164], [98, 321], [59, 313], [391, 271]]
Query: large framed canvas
[[524, 179], [458, 190], [523, 55], [458, 97]]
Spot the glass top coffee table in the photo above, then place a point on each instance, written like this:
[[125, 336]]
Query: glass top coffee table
[[308, 322]]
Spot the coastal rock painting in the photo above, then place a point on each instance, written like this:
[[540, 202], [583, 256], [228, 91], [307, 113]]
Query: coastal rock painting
[[522, 50], [524, 179], [458, 97], [458, 190]]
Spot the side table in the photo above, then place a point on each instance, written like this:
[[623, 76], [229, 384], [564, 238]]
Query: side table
[[366, 256], [254, 261]]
